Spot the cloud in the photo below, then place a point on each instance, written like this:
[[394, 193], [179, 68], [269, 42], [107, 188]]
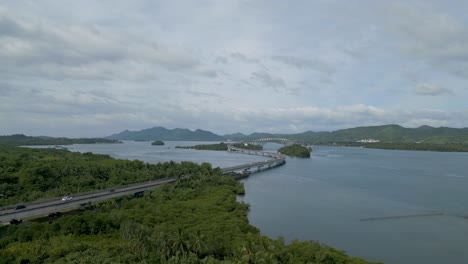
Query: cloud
[[269, 81], [430, 89], [428, 34], [61, 51], [299, 119], [243, 57], [81, 68], [221, 60], [302, 63]]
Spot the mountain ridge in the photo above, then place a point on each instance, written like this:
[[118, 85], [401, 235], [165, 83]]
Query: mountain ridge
[[391, 133], [161, 133]]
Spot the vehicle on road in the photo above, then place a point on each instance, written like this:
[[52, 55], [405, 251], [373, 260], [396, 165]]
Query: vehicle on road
[[20, 206], [54, 215], [67, 198], [15, 222]]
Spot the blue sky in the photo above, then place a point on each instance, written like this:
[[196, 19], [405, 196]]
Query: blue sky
[[92, 68]]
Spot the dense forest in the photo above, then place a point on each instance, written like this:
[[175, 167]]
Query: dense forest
[[248, 146], [223, 146], [196, 220], [295, 150], [29, 174], [22, 140], [448, 147], [219, 147]]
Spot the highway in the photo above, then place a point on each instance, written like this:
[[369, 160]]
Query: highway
[[44, 207], [47, 206]]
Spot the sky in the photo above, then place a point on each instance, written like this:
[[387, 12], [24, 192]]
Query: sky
[[92, 68]]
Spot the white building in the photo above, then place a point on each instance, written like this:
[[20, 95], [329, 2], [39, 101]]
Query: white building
[[369, 140]]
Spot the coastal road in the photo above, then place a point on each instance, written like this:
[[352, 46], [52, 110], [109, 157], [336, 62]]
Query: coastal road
[[45, 207]]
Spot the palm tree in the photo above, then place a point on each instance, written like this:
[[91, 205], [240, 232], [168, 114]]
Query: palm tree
[[198, 242], [179, 242]]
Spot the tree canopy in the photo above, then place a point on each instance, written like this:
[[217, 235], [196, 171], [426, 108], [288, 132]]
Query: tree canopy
[[22, 140], [295, 150], [248, 146], [157, 143], [219, 147], [195, 220], [30, 174]]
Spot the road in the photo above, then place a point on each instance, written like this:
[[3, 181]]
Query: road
[[45, 207]]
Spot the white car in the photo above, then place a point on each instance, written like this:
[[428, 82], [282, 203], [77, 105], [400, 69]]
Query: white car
[[67, 198]]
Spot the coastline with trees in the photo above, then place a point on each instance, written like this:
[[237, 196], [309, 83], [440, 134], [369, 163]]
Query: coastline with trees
[[295, 150], [157, 143], [195, 220]]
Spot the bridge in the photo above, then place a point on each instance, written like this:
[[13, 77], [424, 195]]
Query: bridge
[[276, 159], [283, 141], [47, 206]]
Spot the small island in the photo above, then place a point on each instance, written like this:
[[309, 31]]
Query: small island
[[296, 150], [157, 143], [248, 146], [219, 147]]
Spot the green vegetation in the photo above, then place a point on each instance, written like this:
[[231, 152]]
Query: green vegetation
[[157, 143], [296, 150], [30, 174], [419, 146], [248, 146], [219, 147], [395, 134], [22, 140], [222, 146], [162, 133], [196, 220], [385, 133]]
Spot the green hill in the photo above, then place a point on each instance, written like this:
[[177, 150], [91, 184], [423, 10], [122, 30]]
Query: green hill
[[22, 140], [385, 134], [396, 134], [295, 150], [161, 133]]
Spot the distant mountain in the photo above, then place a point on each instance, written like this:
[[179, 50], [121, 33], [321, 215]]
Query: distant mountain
[[393, 134], [235, 136], [22, 140], [385, 133], [161, 133]]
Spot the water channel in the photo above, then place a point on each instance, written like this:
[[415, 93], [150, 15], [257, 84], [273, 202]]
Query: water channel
[[383, 205]]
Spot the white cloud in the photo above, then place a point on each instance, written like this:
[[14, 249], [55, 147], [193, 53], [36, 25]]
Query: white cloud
[[243, 57], [77, 52], [87, 68], [430, 89], [267, 80], [431, 35], [304, 63]]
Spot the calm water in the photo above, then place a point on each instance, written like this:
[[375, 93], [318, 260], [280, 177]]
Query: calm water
[[325, 198], [146, 152]]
